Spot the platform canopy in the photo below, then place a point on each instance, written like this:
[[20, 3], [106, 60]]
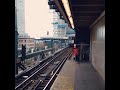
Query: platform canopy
[[82, 12]]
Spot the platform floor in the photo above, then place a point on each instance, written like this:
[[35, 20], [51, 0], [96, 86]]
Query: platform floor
[[74, 76]]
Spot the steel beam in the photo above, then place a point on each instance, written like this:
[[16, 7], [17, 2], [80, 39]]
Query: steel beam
[[62, 12], [98, 19], [35, 53], [89, 5], [86, 11], [83, 20], [16, 42]]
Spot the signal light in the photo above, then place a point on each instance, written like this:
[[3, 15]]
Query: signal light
[[23, 52]]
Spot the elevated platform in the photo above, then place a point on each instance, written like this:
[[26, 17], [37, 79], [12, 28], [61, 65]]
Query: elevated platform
[[74, 76]]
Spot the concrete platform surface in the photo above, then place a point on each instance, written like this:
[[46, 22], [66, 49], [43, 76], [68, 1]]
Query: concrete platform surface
[[65, 79], [86, 78], [74, 76]]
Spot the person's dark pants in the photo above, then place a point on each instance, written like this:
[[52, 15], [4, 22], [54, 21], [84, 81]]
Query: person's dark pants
[[77, 58]]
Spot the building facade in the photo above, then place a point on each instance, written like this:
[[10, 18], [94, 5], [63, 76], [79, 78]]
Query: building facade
[[39, 44], [69, 31], [59, 26], [29, 42], [20, 10]]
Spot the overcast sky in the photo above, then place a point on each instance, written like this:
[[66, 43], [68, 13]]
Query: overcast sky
[[38, 18]]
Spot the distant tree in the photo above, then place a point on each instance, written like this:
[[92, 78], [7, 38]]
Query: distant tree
[[29, 51]]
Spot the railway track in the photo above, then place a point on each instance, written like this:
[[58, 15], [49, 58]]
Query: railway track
[[39, 78], [21, 77], [46, 84]]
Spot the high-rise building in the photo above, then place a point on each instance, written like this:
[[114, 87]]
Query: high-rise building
[[19, 4], [59, 26], [69, 31]]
